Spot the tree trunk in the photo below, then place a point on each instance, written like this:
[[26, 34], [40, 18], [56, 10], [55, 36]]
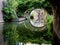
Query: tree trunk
[[56, 21], [56, 26]]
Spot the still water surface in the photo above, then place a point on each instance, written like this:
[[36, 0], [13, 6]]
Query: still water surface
[[17, 33]]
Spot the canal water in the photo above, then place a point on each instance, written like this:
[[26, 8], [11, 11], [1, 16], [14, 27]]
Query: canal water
[[22, 33]]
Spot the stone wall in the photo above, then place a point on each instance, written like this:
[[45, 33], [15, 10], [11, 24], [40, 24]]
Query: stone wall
[[1, 14]]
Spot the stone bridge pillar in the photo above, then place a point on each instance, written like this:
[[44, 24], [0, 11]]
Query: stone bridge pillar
[[1, 14]]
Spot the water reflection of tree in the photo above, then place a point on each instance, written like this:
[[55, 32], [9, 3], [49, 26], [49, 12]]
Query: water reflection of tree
[[10, 33], [13, 32]]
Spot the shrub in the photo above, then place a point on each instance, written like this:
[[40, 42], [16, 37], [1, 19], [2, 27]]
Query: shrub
[[9, 11]]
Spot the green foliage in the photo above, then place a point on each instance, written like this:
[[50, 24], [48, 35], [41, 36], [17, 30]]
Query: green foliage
[[20, 6], [13, 3], [29, 4], [13, 32], [9, 10], [9, 14]]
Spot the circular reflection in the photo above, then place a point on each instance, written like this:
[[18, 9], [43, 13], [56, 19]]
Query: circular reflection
[[36, 19]]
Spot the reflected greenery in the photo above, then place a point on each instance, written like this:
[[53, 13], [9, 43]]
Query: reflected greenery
[[16, 31], [10, 33]]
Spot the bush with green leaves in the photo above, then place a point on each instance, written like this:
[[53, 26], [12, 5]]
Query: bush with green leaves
[[9, 10], [7, 14], [20, 6], [29, 4]]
